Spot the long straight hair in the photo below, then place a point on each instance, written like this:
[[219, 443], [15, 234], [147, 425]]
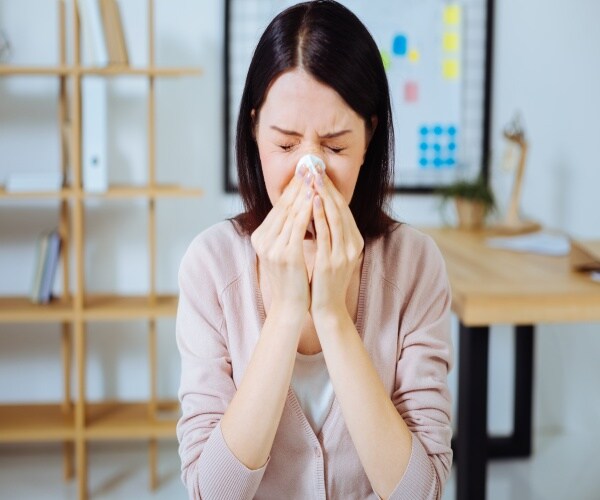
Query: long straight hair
[[330, 43]]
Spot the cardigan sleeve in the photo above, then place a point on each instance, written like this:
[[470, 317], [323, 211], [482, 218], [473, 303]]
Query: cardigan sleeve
[[209, 469], [421, 393]]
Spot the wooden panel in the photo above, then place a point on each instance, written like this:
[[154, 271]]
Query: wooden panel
[[96, 307], [22, 310], [113, 70], [8, 70], [109, 307], [42, 422], [116, 70], [502, 286], [63, 194], [118, 420], [171, 191]]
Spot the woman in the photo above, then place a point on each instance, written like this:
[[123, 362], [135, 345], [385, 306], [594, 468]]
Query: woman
[[314, 355]]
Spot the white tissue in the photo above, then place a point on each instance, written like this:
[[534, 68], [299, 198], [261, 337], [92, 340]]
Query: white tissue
[[311, 162]]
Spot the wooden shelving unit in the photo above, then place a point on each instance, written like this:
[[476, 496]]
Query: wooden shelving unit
[[74, 420]]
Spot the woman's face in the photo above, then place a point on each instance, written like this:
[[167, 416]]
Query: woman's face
[[299, 116]]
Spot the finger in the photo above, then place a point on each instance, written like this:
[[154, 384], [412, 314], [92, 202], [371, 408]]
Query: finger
[[332, 213], [350, 228], [275, 219], [303, 218], [323, 180], [323, 235], [293, 213]]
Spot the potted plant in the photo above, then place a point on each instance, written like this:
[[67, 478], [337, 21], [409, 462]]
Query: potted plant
[[474, 201]]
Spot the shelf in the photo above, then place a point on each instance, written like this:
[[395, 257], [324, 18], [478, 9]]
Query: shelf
[[105, 307], [9, 69], [115, 191], [115, 70], [158, 191], [22, 310], [63, 194], [114, 307], [35, 422], [107, 420], [139, 71], [119, 420]]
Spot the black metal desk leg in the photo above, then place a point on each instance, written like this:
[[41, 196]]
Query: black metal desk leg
[[472, 413], [523, 389]]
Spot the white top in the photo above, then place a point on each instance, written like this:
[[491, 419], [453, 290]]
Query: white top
[[313, 388]]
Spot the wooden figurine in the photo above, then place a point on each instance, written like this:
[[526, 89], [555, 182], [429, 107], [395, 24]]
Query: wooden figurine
[[512, 223]]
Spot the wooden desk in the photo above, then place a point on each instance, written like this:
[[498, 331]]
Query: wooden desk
[[493, 286]]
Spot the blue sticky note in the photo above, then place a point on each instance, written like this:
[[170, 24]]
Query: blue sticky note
[[400, 45]]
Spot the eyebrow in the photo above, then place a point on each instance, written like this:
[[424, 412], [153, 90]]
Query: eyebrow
[[298, 134]]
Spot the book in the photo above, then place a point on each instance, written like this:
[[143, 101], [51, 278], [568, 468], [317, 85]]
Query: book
[[50, 266], [41, 249], [113, 32], [93, 31], [120, 33]]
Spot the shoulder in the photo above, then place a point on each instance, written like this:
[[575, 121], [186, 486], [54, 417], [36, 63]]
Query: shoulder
[[218, 250], [405, 254]]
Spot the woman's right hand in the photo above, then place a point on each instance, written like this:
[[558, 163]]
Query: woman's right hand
[[278, 244]]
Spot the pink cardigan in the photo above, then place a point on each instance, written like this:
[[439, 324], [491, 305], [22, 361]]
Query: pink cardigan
[[403, 319]]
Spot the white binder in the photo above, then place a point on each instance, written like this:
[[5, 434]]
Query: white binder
[[93, 33], [94, 120]]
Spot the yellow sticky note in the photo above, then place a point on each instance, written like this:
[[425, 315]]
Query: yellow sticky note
[[413, 55], [452, 14], [450, 69], [450, 42]]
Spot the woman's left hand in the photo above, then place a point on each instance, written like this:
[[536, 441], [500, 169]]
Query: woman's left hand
[[339, 247]]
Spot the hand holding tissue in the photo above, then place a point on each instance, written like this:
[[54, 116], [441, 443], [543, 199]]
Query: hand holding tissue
[[311, 162]]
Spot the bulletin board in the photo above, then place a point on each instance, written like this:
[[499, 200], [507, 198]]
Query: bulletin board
[[437, 56]]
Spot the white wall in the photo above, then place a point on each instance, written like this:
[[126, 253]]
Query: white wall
[[546, 66]]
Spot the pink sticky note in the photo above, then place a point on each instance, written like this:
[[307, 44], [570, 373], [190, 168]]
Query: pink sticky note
[[411, 92]]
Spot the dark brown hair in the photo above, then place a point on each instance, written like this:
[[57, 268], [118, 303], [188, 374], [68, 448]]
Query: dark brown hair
[[337, 50]]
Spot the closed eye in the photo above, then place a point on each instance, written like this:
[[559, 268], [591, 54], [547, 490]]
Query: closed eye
[[286, 147], [336, 150]]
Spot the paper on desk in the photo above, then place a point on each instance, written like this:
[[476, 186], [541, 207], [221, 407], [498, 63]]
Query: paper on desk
[[541, 242]]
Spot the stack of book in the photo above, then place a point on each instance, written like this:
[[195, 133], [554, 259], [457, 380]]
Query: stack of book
[[103, 32], [48, 253]]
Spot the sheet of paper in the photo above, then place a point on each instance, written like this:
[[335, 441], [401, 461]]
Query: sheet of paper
[[541, 242]]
